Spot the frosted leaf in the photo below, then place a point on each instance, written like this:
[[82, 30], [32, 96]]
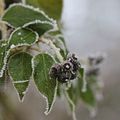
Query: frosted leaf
[[25, 14], [27, 37], [42, 64], [20, 70]]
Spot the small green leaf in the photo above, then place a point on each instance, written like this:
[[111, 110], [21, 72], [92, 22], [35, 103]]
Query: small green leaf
[[20, 69], [72, 92], [40, 27], [92, 80], [52, 7], [17, 15], [22, 36], [58, 34], [70, 98], [58, 40], [46, 85], [3, 54], [60, 44], [75, 92], [86, 96]]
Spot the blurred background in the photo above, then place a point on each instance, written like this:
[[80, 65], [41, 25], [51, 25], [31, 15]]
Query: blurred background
[[90, 26]]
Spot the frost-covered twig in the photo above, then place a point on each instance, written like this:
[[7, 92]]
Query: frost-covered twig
[[51, 44]]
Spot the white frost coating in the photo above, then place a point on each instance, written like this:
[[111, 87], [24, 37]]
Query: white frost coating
[[5, 62], [59, 35], [19, 33], [84, 87], [24, 2], [37, 37], [73, 110], [3, 44], [22, 81], [12, 46], [23, 93], [17, 82], [57, 50], [55, 92], [55, 27], [38, 21], [31, 8]]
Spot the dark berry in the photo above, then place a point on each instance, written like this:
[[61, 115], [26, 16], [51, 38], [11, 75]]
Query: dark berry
[[55, 71], [67, 66], [73, 76]]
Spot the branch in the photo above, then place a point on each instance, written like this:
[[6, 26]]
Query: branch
[[51, 44]]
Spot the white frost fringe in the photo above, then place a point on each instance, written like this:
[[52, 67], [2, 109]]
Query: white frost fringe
[[48, 108]]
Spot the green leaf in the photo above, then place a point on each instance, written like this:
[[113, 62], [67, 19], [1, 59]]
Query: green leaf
[[21, 88], [20, 70], [40, 27], [59, 35], [52, 7], [60, 44], [18, 15], [3, 54], [70, 98], [46, 85], [22, 36], [58, 40], [72, 92], [75, 92], [59, 92], [86, 96]]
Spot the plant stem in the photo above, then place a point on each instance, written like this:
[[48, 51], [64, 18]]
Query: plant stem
[[51, 44]]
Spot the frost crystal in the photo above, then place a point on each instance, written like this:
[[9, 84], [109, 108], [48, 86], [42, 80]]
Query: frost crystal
[[12, 46], [19, 33]]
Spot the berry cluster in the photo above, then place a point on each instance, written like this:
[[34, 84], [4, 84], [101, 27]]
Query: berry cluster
[[67, 70]]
